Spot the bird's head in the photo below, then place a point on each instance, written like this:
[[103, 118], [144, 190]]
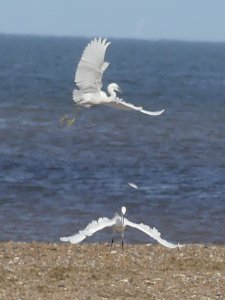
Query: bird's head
[[114, 87], [123, 210]]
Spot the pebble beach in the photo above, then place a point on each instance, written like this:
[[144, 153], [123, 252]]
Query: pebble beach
[[87, 271]]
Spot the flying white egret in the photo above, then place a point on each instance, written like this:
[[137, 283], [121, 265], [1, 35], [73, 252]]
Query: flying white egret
[[119, 222], [88, 79]]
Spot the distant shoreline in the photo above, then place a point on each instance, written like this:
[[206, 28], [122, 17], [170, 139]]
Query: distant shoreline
[[86, 38]]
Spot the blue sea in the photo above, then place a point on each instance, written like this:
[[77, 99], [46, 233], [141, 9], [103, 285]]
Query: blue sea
[[55, 179]]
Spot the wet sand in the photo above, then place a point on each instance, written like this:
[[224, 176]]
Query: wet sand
[[87, 271]]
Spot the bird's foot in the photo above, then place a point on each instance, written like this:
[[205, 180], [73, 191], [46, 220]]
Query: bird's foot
[[70, 122], [67, 120]]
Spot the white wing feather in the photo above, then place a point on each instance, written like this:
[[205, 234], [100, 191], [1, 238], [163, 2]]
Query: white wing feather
[[90, 69], [89, 230], [122, 105], [152, 232]]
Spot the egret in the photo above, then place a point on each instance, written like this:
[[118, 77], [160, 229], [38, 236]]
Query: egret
[[88, 78], [119, 222]]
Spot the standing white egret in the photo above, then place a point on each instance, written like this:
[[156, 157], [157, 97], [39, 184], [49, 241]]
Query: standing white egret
[[119, 222], [88, 79]]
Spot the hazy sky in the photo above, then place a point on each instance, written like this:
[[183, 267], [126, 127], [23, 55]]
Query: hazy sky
[[202, 20]]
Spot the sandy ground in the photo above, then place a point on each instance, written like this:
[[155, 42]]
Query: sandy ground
[[87, 271]]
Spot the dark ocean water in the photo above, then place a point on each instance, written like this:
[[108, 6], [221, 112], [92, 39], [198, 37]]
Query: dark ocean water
[[55, 179]]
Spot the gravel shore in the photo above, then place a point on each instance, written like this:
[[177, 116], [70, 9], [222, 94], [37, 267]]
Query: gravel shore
[[87, 271]]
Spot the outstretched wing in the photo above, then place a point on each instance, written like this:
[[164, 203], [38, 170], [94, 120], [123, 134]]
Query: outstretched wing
[[89, 230], [90, 69], [152, 232], [120, 104]]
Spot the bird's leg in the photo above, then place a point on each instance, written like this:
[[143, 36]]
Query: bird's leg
[[111, 245], [76, 111], [122, 244], [112, 240], [72, 121], [122, 240]]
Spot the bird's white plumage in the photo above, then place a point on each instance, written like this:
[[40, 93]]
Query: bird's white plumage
[[152, 232], [88, 79], [119, 223], [90, 69], [89, 230], [123, 105]]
